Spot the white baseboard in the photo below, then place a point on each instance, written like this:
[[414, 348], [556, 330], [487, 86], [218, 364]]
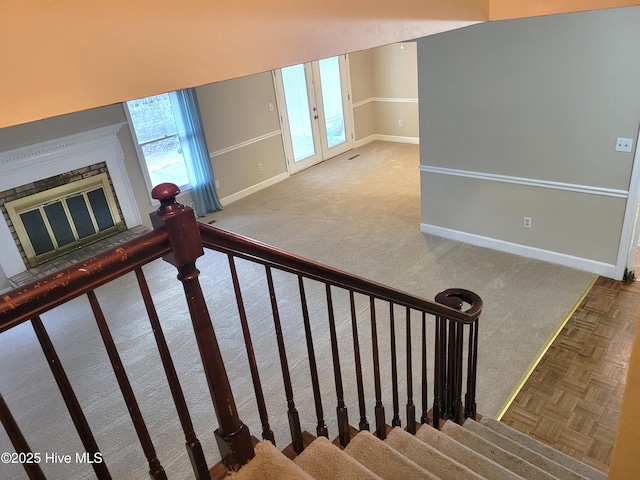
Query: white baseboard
[[385, 138], [397, 139], [364, 141], [253, 189], [579, 263]]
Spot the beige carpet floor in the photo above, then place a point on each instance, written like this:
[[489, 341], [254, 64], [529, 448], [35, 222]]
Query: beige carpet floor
[[361, 215]]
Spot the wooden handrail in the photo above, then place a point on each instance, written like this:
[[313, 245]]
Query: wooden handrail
[[221, 240], [37, 297]]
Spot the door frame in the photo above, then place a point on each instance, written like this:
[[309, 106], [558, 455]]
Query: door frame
[[345, 76], [292, 165], [631, 223]]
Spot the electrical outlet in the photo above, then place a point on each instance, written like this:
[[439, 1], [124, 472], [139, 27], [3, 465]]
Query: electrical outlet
[[399, 123], [260, 166], [217, 183], [271, 107], [527, 222], [623, 144]]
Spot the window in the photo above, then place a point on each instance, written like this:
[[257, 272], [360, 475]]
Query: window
[[154, 123]]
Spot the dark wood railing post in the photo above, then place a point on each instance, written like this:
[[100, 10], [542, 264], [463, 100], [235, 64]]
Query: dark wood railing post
[[446, 366], [448, 359], [472, 367], [341, 408], [411, 407], [395, 422], [292, 412], [439, 372], [70, 398], [233, 437], [194, 448], [33, 470]]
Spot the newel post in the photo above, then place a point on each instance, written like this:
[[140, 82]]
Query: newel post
[[179, 221], [448, 358]]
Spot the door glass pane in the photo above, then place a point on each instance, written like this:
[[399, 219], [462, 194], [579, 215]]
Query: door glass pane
[[37, 231], [100, 209], [80, 214], [332, 101], [59, 224], [297, 99]]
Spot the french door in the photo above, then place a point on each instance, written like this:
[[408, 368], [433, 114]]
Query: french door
[[315, 113]]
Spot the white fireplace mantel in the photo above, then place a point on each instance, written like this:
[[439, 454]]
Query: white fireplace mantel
[[35, 162]]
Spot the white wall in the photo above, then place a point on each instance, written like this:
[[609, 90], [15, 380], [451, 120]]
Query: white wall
[[519, 118]]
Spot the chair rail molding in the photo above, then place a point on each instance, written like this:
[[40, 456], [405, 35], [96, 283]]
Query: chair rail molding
[[532, 182]]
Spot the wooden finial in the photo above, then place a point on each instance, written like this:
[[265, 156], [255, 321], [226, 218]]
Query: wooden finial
[[166, 193]]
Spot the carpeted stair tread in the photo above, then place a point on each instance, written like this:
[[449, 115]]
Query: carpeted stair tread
[[462, 454], [270, 464], [557, 456], [495, 453], [383, 460], [540, 461], [428, 457], [324, 461]]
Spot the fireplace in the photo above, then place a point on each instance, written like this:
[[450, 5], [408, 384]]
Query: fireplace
[[54, 163], [57, 220]]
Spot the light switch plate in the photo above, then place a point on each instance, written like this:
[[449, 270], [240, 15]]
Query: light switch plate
[[623, 144]]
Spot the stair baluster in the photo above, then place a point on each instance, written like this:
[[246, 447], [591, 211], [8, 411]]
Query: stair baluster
[[439, 372], [70, 398], [411, 408], [341, 409], [292, 412], [472, 368], [381, 424], [395, 422], [454, 365], [267, 433], [155, 468], [34, 472], [456, 334], [321, 428], [194, 448], [363, 424], [425, 395]]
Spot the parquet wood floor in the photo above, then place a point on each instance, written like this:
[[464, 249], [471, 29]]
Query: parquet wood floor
[[573, 397]]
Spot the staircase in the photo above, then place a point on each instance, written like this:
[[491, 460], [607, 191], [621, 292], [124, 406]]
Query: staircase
[[475, 450], [431, 378]]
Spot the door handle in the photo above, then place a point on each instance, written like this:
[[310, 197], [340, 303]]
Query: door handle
[[315, 117]]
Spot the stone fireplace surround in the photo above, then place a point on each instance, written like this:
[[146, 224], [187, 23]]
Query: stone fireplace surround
[[39, 161]]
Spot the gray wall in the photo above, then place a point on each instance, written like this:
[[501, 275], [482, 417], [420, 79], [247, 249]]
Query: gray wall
[[542, 100], [384, 83], [235, 112]]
